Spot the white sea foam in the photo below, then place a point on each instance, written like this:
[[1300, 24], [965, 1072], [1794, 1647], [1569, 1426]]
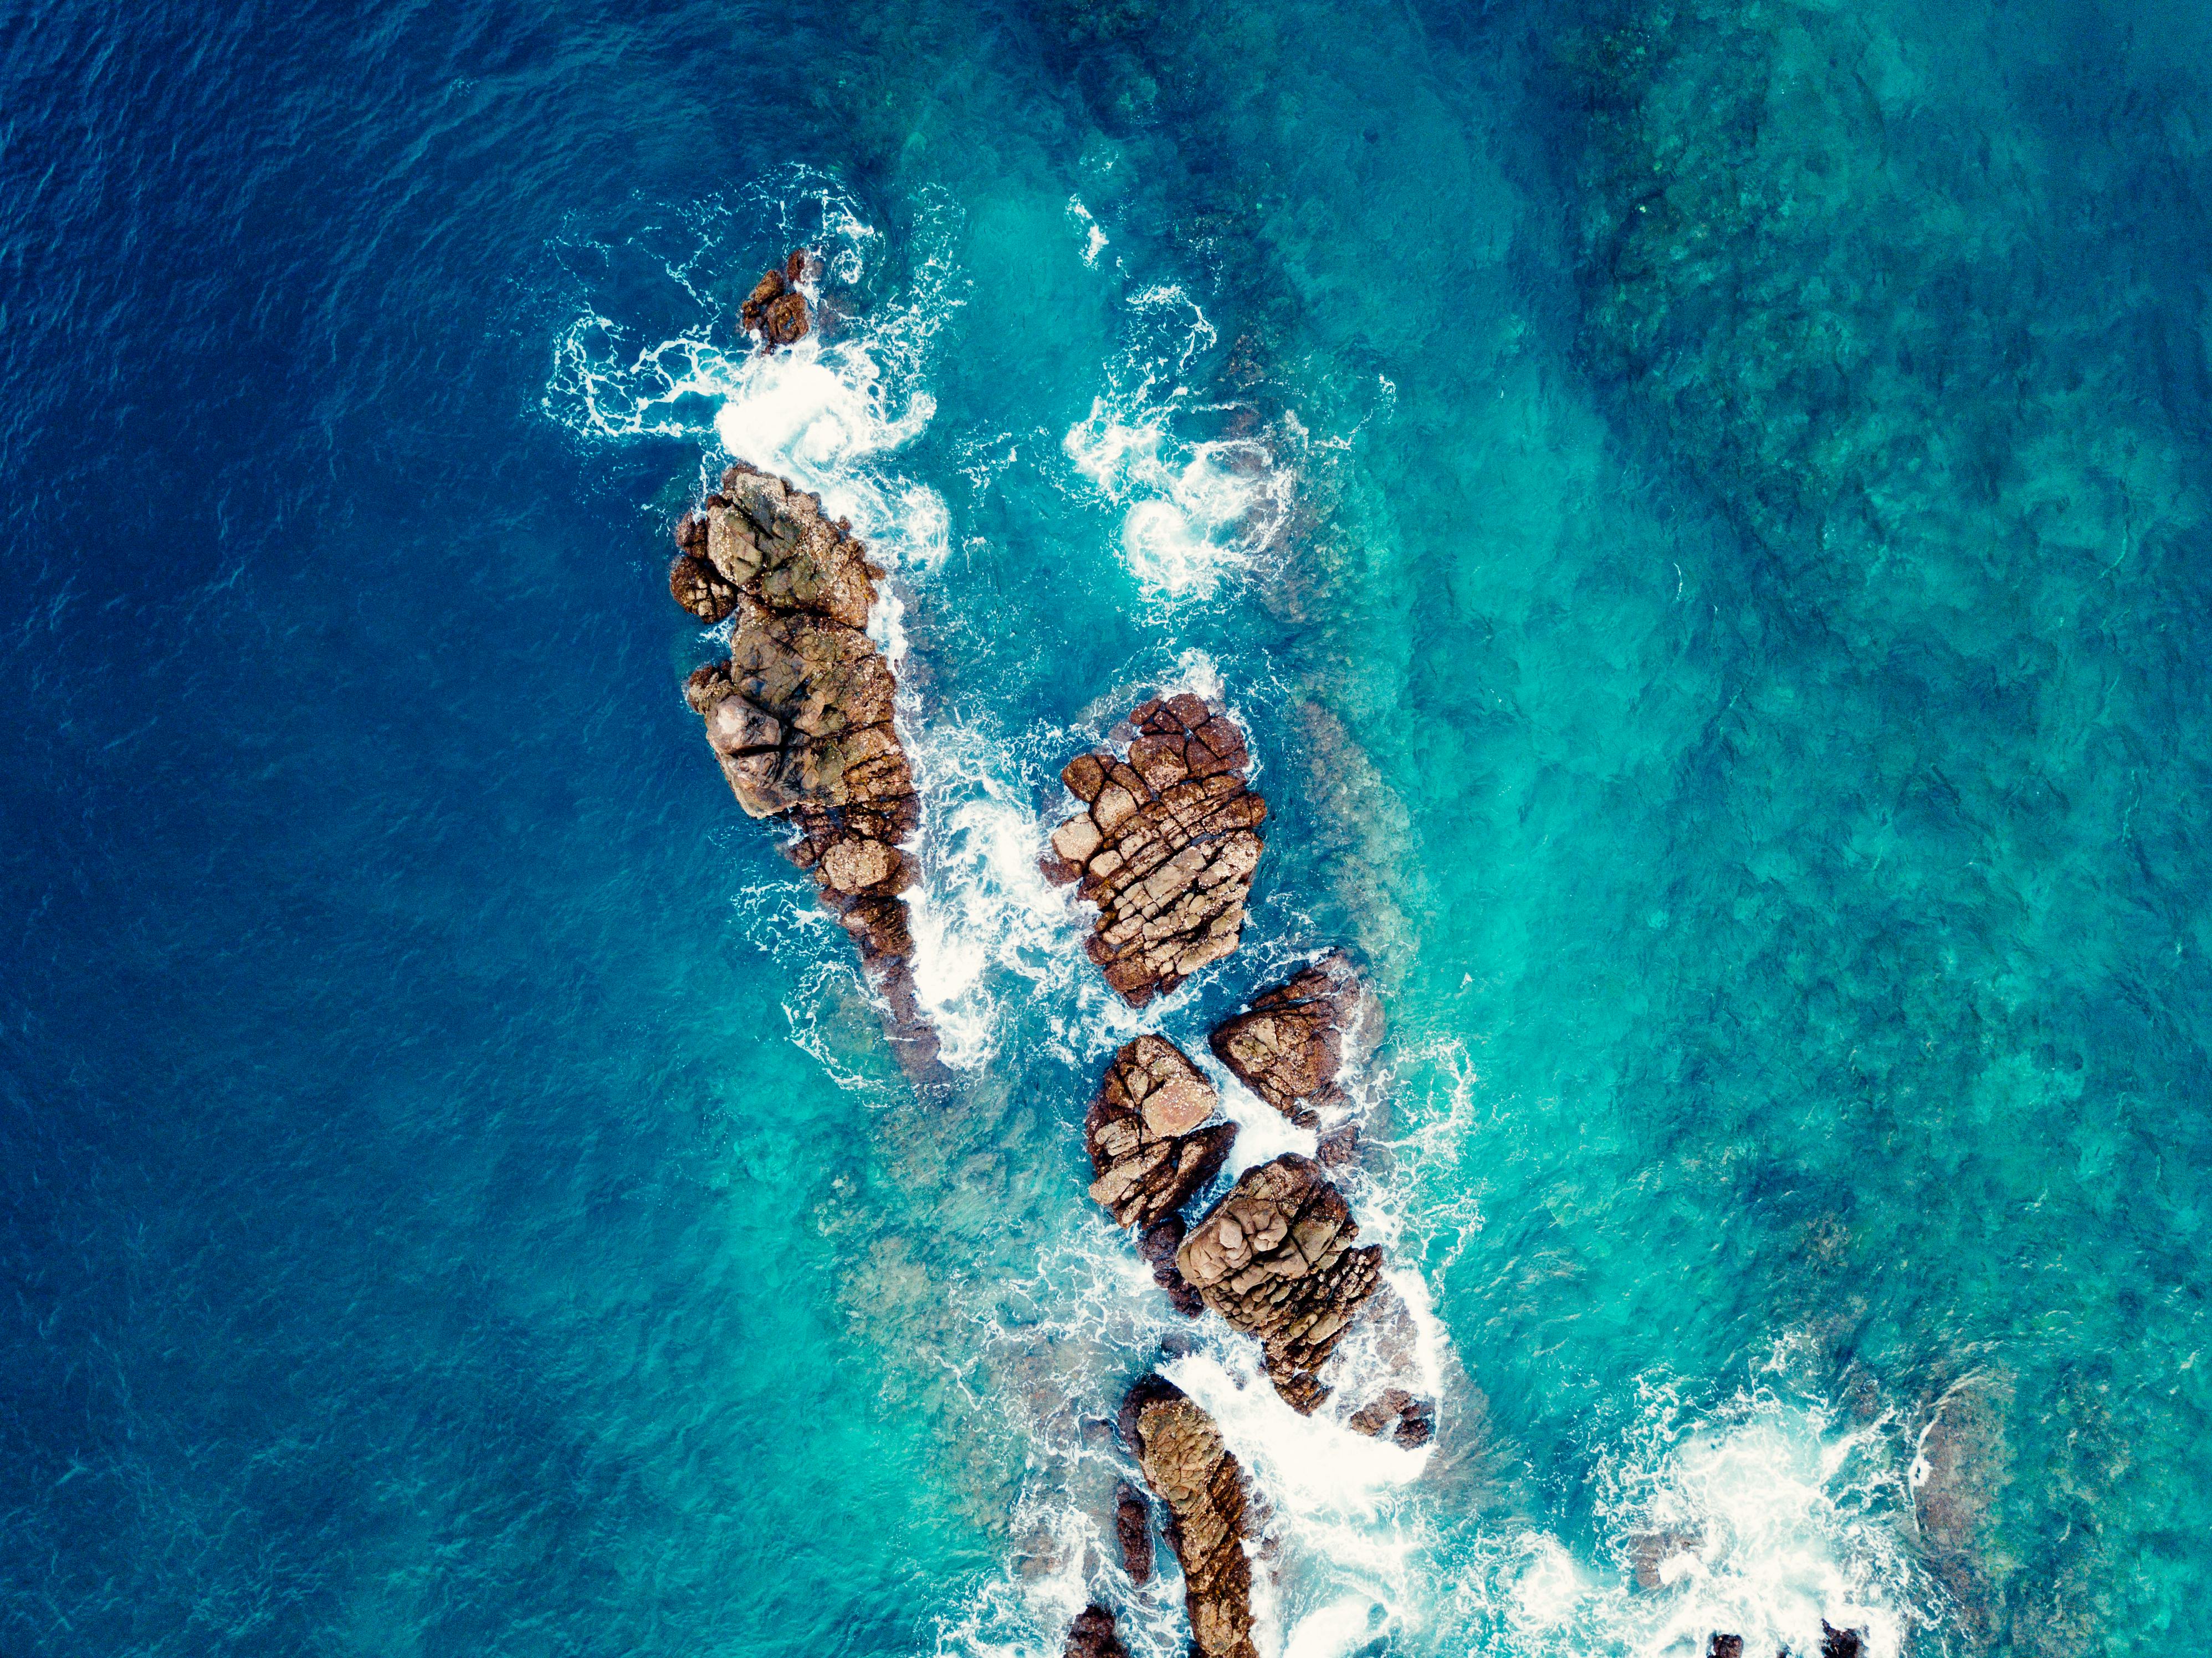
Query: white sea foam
[[1192, 510]]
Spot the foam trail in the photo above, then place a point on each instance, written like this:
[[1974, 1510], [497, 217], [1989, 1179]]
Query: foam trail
[[1192, 511]]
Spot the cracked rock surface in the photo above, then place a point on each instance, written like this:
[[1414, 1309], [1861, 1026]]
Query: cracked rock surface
[[1165, 846], [1209, 1511], [799, 715], [1151, 1134], [1291, 1044], [1275, 1259]]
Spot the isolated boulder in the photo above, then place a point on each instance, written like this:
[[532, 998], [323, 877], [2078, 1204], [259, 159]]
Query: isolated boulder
[[776, 309]]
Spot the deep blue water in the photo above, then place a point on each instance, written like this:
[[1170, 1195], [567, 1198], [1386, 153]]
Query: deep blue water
[[1704, 511]]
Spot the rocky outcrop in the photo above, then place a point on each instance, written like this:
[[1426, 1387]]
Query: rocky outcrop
[[1165, 846], [1724, 1646], [1209, 1512], [1132, 1530], [776, 309], [799, 715], [1409, 1421], [1150, 1147], [1293, 1043], [1092, 1635], [1157, 1244], [1275, 1259]]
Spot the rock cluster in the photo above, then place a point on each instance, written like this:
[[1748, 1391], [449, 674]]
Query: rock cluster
[[799, 715], [776, 309], [1192, 1472], [1093, 1635], [1165, 846], [1275, 1259], [1409, 1421], [1148, 1134], [1291, 1044]]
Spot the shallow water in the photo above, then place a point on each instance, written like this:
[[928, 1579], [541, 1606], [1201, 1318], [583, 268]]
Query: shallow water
[[1701, 512]]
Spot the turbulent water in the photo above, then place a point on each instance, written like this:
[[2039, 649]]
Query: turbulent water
[[1703, 510]]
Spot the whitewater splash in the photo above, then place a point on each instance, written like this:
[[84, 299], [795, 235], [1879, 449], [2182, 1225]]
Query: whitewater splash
[[1193, 511]]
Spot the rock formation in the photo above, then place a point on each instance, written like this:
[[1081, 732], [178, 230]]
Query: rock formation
[[1093, 1635], [1191, 1471], [1147, 1135], [1409, 1421], [1275, 1257], [1132, 1530], [799, 715], [1724, 1646], [1293, 1042], [1165, 846], [776, 309], [1157, 1244]]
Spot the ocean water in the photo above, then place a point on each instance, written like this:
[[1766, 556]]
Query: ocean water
[[1703, 509]]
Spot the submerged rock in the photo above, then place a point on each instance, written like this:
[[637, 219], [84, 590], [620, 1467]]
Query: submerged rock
[[776, 309], [1165, 846], [1291, 1044], [1209, 1511], [1148, 1135], [1132, 1530], [799, 715], [1092, 1635], [1275, 1258]]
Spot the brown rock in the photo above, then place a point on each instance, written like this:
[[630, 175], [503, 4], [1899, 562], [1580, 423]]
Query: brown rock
[[1165, 846], [1133, 1529], [1209, 1511], [1409, 1421], [1158, 1244], [1146, 1132], [1275, 1259], [1724, 1646], [800, 715], [1093, 1635], [776, 309], [1839, 1642], [1291, 1045]]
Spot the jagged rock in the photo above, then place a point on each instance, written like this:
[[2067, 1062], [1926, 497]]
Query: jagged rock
[[1093, 1635], [1209, 1512], [1839, 1642], [1291, 1044], [1275, 1259], [1410, 1421], [1133, 1529], [799, 715], [1147, 1135], [1724, 1646], [1165, 846], [776, 309], [1157, 1244]]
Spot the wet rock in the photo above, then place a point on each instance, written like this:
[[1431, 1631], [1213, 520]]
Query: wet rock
[[1133, 1529], [1724, 1646], [1649, 1553], [800, 714], [1158, 1244], [1148, 1132], [1209, 1512], [776, 309], [1409, 1421], [1165, 846], [1275, 1259], [1093, 1635], [1839, 1642], [1291, 1044]]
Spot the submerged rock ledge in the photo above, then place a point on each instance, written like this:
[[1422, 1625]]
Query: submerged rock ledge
[[800, 714]]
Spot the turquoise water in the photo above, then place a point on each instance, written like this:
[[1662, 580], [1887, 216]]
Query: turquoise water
[[1701, 510]]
